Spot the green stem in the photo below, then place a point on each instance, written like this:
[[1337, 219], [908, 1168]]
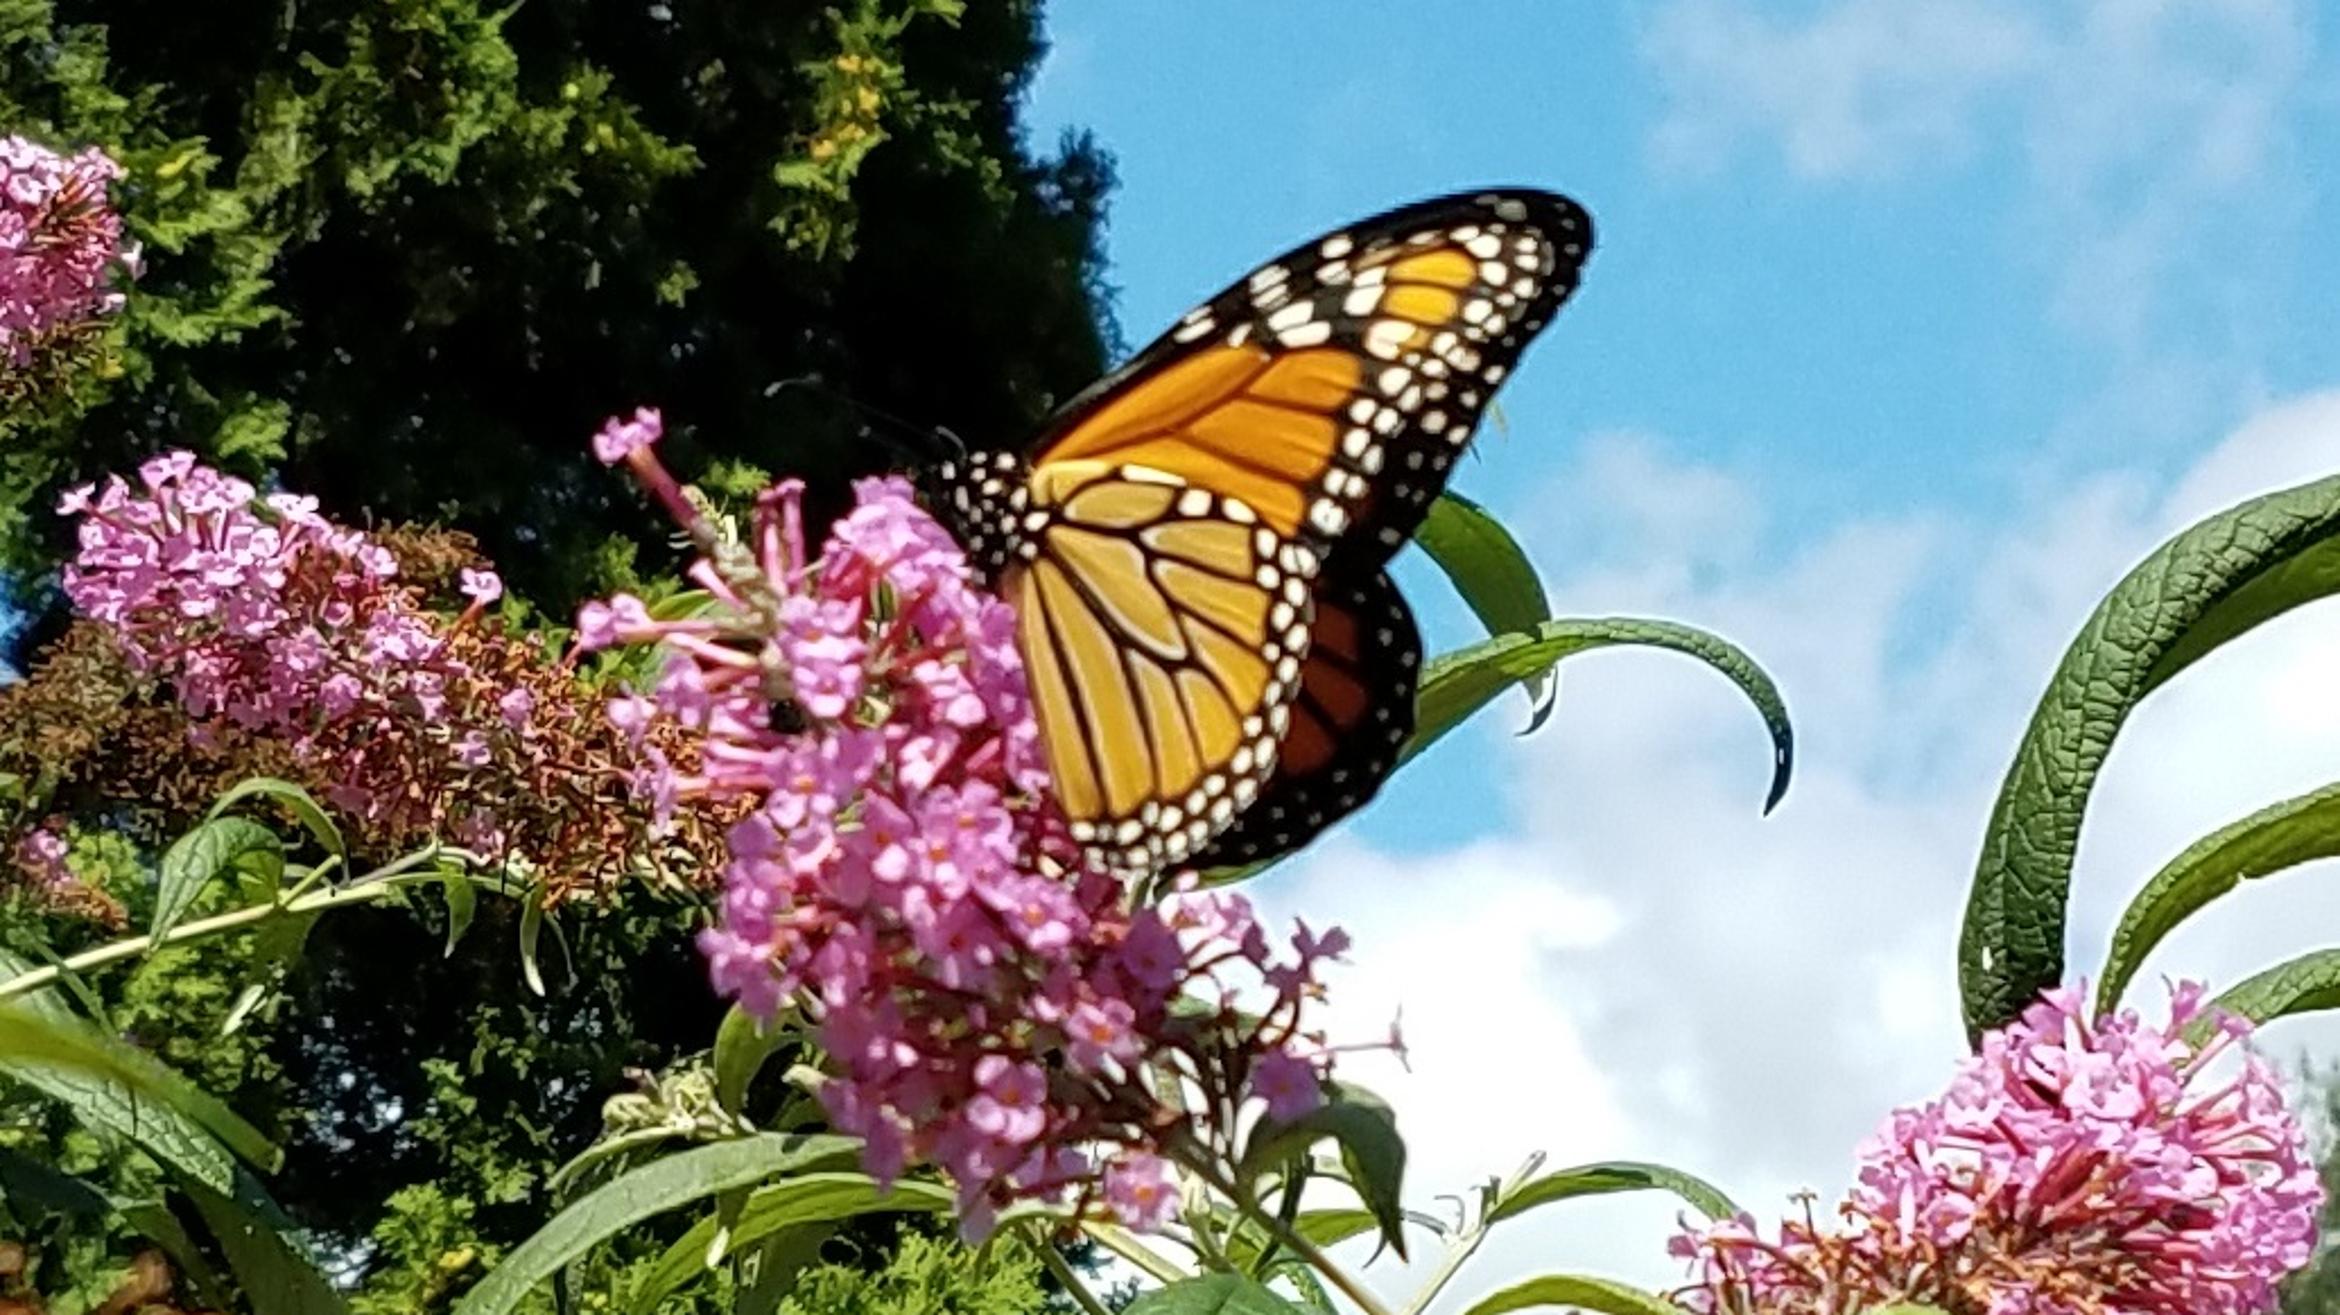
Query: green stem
[[1063, 1271], [1295, 1179], [310, 878], [1120, 1242], [365, 890], [1300, 1246], [1459, 1251]]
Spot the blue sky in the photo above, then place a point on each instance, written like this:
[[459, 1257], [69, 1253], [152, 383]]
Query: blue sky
[[1911, 325], [1866, 307]]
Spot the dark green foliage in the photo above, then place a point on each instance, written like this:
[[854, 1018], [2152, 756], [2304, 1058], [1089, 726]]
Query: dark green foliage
[[411, 252], [925, 1277]]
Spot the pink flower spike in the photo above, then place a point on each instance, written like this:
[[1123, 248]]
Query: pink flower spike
[[990, 1003], [2076, 1164], [482, 587], [621, 438]]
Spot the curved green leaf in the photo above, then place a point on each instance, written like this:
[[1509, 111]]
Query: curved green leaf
[[531, 930], [297, 801], [813, 1198], [462, 905], [1365, 1129], [2272, 840], [2305, 985], [1576, 1292], [204, 855], [1494, 576], [741, 1046], [1213, 1294], [277, 1277], [124, 1091], [1613, 1176], [628, 1199], [1457, 684], [2204, 587]]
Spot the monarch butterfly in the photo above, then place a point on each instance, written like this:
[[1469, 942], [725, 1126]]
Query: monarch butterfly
[[1194, 545]]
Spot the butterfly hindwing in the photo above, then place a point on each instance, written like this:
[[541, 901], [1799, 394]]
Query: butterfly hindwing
[[1351, 718]]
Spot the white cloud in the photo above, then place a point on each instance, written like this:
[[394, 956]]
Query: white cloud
[[1868, 86], [2155, 138], [1639, 966]]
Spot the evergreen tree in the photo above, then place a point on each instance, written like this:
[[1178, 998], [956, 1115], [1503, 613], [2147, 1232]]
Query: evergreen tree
[[411, 252]]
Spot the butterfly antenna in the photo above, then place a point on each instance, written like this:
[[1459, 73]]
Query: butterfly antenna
[[888, 428]]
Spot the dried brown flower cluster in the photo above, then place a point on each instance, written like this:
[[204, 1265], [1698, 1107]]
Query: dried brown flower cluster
[[87, 736]]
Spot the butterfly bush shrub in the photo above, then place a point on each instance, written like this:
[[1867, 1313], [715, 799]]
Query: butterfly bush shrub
[[840, 728], [991, 1002]]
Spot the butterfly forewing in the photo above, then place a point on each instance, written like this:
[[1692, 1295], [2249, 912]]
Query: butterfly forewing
[[1333, 388], [1163, 540], [1163, 646]]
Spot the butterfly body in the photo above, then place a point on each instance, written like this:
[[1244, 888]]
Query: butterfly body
[[1194, 545]]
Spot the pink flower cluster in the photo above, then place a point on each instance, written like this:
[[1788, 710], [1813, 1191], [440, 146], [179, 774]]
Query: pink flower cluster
[[60, 243], [265, 617], [259, 611], [990, 1003], [2076, 1166]]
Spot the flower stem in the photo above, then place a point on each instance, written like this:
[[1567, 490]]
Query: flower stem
[[1458, 1251], [1290, 1237], [1121, 1243], [365, 890], [1063, 1271]]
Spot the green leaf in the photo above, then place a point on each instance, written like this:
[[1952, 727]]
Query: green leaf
[[2305, 985], [741, 1046], [783, 1259], [204, 855], [1305, 1285], [531, 930], [2208, 585], [1493, 574], [276, 947], [276, 1276], [1457, 684], [813, 1198], [121, 1090], [155, 1221], [1213, 1294], [297, 801], [1576, 1292], [1365, 1129], [462, 905], [25, 1181], [2269, 841], [1327, 1227], [1613, 1176], [643, 1193]]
